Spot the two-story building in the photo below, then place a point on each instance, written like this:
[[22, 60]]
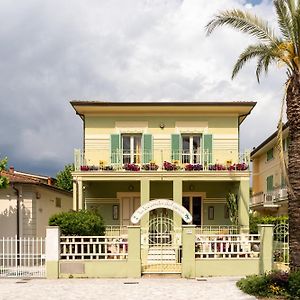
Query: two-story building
[[269, 191], [184, 152]]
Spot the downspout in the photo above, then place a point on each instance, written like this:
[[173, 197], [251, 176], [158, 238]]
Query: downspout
[[18, 222]]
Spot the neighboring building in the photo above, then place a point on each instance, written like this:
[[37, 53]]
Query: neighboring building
[[185, 135], [38, 199], [269, 192]]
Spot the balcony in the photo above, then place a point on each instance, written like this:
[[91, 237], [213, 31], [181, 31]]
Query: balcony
[[163, 161], [269, 199]]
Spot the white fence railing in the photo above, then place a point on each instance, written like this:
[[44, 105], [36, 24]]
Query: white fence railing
[[217, 229], [271, 197], [23, 257], [116, 230], [227, 246], [93, 247]]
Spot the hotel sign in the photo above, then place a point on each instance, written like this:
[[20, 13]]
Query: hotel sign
[[161, 203]]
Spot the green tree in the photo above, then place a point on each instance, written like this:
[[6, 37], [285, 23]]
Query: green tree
[[64, 178], [283, 49], [3, 179]]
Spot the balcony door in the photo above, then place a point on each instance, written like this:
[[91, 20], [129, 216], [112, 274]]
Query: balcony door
[[194, 205], [191, 149], [132, 145]]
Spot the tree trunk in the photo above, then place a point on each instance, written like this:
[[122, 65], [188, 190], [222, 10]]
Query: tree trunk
[[293, 115]]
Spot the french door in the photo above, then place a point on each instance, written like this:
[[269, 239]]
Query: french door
[[194, 205]]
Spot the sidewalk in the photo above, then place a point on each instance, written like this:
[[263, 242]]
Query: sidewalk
[[123, 289]]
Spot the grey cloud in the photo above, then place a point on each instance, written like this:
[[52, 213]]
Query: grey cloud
[[55, 51]]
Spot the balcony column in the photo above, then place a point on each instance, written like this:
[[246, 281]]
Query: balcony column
[[243, 205], [177, 197], [145, 197], [75, 206], [80, 194]]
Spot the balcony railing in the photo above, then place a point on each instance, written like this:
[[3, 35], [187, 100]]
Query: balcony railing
[[269, 198], [164, 160]]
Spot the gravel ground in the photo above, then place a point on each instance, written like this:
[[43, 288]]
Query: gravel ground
[[108, 289]]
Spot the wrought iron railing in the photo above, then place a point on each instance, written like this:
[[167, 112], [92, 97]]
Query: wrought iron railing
[[164, 160], [23, 257]]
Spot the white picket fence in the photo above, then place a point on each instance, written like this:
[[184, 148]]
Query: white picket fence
[[227, 246], [93, 247], [23, 257]]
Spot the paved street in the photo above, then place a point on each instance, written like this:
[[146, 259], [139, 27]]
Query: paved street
[[108, 289]]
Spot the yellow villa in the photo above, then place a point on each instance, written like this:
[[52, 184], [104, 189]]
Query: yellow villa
[[269, 192], [152, 164]]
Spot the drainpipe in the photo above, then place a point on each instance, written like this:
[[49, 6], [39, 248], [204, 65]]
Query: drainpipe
[[18, 222]]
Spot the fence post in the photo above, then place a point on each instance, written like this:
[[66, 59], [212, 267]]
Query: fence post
[[188, 251], [134, 252], [266, 247], [52, 252]]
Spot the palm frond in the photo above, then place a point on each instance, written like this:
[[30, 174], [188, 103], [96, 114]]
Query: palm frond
[[284, 19], [244, 22], [262, 51]]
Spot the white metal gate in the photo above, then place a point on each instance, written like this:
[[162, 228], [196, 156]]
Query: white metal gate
[[281, 245], [161, 245], [23, 257]]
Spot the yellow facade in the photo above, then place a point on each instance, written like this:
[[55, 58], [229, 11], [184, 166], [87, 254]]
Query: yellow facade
[[269, 192], [212, 127]]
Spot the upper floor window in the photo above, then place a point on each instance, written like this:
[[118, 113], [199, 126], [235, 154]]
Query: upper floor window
[[191, 149], [285, 144], [132, 145], [270, 154], [270, 184]]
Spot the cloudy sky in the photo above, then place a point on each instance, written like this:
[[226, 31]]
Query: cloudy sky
[[119, 50]]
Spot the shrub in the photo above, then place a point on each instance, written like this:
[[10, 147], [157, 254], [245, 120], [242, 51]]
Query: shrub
[[276, 283], [255, 220], [254, 285], [82, 223], [294, 285]]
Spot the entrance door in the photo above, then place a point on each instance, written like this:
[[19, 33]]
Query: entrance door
[[129, 203], [194, 205]]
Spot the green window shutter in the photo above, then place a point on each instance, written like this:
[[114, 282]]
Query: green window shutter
[[207, 148], [270, 186], [270, 154], [175, 144], [147, 148], [283, 181], [115, 151]]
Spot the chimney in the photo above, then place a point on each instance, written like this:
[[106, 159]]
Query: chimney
[[49, 181], [11, 169]]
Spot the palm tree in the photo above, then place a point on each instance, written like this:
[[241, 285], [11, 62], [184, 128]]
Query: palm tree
[[283, 49]]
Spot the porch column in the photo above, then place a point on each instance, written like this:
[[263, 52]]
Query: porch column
[[145, 197], [80, 195], [243, 205], [177, 197], [75, 207]]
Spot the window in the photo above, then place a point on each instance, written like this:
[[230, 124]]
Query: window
[[270, 154], [191, 149], [211, 213], [58, 202], [270, 185], [131, 145], [283, 181]]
